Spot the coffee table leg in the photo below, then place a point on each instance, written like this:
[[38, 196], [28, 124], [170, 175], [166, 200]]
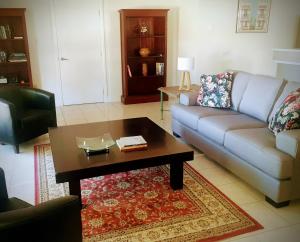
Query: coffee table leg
[[74, 187], [176, 175]]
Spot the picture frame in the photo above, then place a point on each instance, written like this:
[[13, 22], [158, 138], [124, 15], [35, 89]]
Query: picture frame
[[253, 16]]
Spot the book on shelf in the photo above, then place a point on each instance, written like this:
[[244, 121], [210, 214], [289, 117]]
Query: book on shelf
[[129, 71], [5, 32], [160, 68], [132, 143], [2, 32]]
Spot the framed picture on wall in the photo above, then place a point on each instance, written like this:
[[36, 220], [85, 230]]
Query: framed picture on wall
[[253, 16]]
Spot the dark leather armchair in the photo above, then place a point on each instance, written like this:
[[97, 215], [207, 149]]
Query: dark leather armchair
[[25, 113], [58, 220]]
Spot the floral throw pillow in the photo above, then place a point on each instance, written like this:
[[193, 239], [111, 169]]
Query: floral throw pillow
[[215, 90], [288, 114]]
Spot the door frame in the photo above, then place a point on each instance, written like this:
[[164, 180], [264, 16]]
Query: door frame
[[58, 52]]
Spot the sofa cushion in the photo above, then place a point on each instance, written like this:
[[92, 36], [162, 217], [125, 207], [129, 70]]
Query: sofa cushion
[[289, 87], [258, 148], [215, 127], [189, 115], [260, 96], [215, 90], [288, 114], [239, 86]]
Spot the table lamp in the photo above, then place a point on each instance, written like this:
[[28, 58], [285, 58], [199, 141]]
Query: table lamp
[[185, 64]]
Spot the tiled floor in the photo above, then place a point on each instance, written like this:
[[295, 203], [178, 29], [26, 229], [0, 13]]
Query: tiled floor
[[279, 224]]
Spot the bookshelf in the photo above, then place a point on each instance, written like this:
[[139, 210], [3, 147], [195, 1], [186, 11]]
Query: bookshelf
[[14, 54], [144, 54]]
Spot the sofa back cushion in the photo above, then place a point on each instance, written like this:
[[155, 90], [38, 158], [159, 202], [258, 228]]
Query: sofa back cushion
[[259, 96], [288, 88], [239, 86]]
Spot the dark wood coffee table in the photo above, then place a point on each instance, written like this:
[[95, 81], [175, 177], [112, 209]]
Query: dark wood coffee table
[[71, 163]]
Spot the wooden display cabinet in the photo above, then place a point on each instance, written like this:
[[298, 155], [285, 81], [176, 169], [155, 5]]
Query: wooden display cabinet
[[142, 76], [13, 40]]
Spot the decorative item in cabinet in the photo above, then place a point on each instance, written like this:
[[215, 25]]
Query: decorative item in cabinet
[[145, 69], [14, 52], [160, 69], [144, 52], [143, 46], [3, 56]]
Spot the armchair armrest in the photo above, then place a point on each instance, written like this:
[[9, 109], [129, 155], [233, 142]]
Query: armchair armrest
[[188, 98], [8, 122], [3, 190], [289, 142], [40, 99], [56, 220], [37, 98]]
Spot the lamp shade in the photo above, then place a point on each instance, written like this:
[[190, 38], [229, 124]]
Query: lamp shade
[[185, 63]]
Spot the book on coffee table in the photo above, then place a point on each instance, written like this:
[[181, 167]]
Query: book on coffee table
[[131, 143]]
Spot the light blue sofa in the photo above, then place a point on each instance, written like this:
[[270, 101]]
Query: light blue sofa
[[239, 138]]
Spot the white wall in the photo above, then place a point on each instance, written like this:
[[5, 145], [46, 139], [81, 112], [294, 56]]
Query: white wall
[[288, 72], [204, 29], [219, 47]]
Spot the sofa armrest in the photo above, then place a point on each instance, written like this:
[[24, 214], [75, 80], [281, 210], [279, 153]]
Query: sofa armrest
[[289, 142], [8, 122], [56, 220], [188, 98]]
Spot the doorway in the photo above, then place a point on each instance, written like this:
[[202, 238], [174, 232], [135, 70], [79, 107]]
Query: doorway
[[79, 39]]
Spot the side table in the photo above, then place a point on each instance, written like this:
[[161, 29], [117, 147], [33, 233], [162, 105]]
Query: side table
[[172, 91]]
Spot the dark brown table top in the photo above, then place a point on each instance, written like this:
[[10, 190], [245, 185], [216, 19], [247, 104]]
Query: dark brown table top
[[71, 163]]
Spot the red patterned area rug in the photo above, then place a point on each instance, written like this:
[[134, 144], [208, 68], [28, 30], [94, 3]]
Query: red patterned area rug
[[140, 205]]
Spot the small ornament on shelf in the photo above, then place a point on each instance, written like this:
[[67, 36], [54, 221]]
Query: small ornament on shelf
[[3, 56], [144, 52], [142, 29]]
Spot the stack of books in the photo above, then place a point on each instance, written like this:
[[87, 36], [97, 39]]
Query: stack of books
[[17, 57], [132, 143]]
